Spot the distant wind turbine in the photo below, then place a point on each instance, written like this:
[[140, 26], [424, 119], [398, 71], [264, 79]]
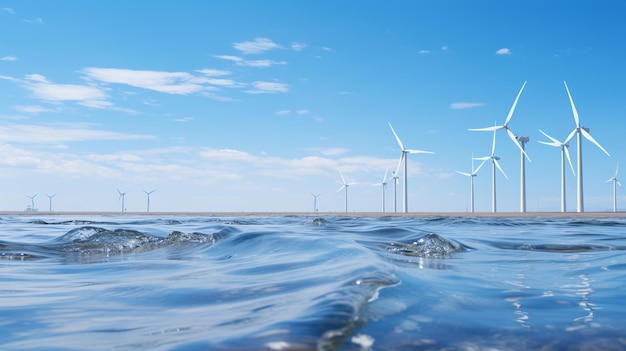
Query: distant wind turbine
[[581, 132], [564, 154], [345, 186], [50, 200], [315, 196], [522, 187], [403, 157], [505, 126], [122, 197], [494, 163], [395, 185], [32, 201], [615, 184], [384, 185], [148, 194], [472, 175]]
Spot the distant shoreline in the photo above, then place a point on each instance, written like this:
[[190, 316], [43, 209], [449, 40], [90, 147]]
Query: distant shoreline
[[323, 214]]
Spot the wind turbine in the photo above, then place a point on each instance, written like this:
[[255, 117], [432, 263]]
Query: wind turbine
[[32, 201], [122, 197], [315, 196], [581, 132], [50, 198], [394, 176], [472, 175], [522, 186], [615, 184], [148, 194], [564, 154], [403, 157], [345, 186], [384, 185], [494, 163], [505, 126]]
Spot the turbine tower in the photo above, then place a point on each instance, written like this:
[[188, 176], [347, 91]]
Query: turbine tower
[[615, 184], [564, 154], [494, 163], [148, 194], [472, 175], [32, 201], [315, 196], [384, 185], [50, 200], [122, 197], [580, 132], [522, 187], [403, 157], [395, 185], [345, 186]]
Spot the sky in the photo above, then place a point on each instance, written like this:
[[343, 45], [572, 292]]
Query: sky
[[255, 105]]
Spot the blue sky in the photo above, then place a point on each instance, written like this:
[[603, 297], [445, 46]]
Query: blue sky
[[254, 105]]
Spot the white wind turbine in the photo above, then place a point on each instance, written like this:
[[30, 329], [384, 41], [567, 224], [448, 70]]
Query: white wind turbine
[[122, 197], [564, 154], [581, 132], [384, 185], [50, 200], [472, 175], [315, 196], [403, 157], [494, 163], [395, 185], [519, 142], [148, 194], [32, 201], [615, 184], [345, 186]]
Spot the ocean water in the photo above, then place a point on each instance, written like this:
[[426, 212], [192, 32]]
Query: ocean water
[[312, 283]]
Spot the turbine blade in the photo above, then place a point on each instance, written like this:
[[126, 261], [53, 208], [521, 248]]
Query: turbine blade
[[590, 138], [510, 115], [570, 136], [397, 138], [519, 146], [500, 168], [385, 177], [571, 101], [618, 183], [554, 141], [343, 180], [569, 159], [481, 164], [340, 189], [549, 143], [487, 129], [413, 151], [482, 158], [463, 173], [399, 164]]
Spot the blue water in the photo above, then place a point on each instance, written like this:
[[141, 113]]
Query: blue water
[[307, 283]]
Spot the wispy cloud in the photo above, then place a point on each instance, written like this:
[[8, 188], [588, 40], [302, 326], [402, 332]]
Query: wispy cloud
[[180, 83], [465, 105], [28, 133], [503, 51], [298, 46], [268, 88], [8, 10], [184, 119], [8, 58], [37, 20], [31, 109], [259, 45], [424, 52], [249, 63]]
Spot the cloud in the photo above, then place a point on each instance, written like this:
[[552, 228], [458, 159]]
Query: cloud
[[42, 89], [184, 119], [268, 88], [334, 151], [226, 155], [503, 51], [8, 58], [302, 112], [37, 20], [8, 10], [283, 112], [214, 72], [259, 45], [298, 46], [444, 48], [30, 109], [464, 105], [249, 63], [179, 83], [423, 52], [28, 133]]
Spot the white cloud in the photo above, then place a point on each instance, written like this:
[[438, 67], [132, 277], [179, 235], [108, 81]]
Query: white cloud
[[464, 105], [259, 45], [444, 48], [180, 83], [184, 119], [8, 10], [214, 72], [260, 63], [226, 155], [30, 109], [334, 151], [503, 51], [26, 133], [268, 88], [37, 20], [302, 112], [298, 46], [283, 112], [8, 58], [423, 52], [42, 89]]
